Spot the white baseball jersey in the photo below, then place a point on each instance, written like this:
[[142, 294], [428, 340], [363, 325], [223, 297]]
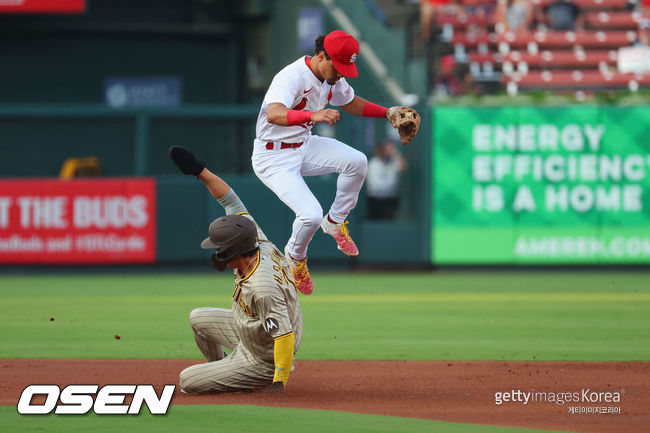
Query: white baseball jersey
[[297, 88]]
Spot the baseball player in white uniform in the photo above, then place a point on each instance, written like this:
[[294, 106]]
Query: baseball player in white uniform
[[285, 150], [263, 327]]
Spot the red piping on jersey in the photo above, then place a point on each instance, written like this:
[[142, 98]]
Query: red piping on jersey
[[302, 104], [257, 263]]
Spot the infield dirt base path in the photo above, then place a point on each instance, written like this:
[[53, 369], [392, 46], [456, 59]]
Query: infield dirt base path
[[441, 390]]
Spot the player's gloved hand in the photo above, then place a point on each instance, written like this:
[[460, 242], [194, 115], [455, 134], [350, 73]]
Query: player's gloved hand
[[406, 120], [273, 388], [186, 161]]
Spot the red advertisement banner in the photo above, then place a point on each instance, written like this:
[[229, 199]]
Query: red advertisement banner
[[49, 221], [43, 6]]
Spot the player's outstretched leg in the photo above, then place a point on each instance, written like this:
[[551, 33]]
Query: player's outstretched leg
[[300, 273], [340, 233], [327, 155]]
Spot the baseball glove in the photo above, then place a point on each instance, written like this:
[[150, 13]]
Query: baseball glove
[[186, 161], [406, 120]]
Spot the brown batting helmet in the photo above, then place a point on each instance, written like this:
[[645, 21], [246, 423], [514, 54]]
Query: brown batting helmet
[[232, 236]]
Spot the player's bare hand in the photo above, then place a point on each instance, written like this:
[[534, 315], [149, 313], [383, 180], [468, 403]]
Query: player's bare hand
[[328, 115]]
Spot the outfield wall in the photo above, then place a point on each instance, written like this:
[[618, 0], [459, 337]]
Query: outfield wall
[[501, 185]]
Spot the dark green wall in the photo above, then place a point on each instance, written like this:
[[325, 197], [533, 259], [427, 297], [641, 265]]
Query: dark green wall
[[35, 147], [65, 58], [46, 135], [185, 209], [76, 66]]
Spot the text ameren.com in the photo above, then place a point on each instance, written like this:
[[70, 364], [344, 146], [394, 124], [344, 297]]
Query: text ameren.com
[[559, 398]]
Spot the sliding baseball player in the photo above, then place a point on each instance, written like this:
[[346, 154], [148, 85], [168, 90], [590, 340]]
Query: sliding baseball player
[[263, 327]]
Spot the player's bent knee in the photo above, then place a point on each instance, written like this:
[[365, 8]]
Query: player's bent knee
[[358, 164], [184, 382], [311, 216], [187, 384], [193, 317], [196, 316], [312, 219]]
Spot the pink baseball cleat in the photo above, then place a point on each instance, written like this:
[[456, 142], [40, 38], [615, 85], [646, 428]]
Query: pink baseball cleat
[[341, 235], [300, 274]]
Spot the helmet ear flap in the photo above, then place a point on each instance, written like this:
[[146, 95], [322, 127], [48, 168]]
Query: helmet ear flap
[[219, 265]]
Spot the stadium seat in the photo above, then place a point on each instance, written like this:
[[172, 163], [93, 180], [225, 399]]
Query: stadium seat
[[563, 58], [473, 39], [575, 79], [550, 59], [478, 57], [561, 39], [450, 23], [590, 4], [462, 20], [612, 20]]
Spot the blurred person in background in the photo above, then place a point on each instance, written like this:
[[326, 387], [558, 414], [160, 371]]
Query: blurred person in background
[[447, 82], [514, 15], [644, 22], [478, 7], [644, 31], [429, 11], [562, 15], [382, 181]]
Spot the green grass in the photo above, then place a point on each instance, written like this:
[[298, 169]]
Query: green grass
[[411, 316], [230, 418], [472, 316]]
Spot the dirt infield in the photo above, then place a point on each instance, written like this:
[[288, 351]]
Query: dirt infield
[[440, 390]]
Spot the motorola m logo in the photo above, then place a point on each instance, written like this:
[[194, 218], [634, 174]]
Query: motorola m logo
[[80, 399], [271, 325]]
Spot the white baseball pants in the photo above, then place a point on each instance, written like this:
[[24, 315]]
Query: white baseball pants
[[282, 170]]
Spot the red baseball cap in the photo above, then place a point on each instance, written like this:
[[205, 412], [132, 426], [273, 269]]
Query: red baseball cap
[[448, 60], [343, 49]]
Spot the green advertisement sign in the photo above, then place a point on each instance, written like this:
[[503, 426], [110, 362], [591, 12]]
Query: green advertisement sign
[[531, 185]]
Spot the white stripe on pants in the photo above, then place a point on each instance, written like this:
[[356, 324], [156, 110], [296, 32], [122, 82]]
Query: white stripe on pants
[[282, 172]]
